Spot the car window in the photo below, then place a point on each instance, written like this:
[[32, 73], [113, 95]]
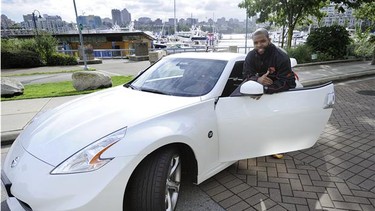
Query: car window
[[181, 76], [235, 79]]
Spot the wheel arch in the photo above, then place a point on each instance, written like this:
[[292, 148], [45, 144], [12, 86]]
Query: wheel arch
[[189, 171]]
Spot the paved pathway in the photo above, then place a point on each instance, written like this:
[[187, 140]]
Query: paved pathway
[[338, 173]]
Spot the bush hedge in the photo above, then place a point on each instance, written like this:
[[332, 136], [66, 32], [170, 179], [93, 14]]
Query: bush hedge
[[302, 53], [330, 42], [20, 59], [59, 59]]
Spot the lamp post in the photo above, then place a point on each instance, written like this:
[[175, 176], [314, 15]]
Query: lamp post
[[35, 27], [247, 19], [80, 37]]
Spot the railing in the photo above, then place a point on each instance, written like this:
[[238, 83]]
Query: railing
[[234, 49], [104, 53], [124, 53]]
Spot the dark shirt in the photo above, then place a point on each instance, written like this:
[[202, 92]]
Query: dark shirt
[[274, 60]]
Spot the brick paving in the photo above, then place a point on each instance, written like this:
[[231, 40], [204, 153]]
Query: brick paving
[[337, 173]]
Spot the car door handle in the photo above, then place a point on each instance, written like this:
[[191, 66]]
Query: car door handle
[[330, 101]]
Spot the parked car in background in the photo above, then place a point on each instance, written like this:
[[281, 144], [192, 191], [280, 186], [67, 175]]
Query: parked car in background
[[125, 148]]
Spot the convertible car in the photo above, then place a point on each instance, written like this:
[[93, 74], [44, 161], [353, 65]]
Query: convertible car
[[126, 148]]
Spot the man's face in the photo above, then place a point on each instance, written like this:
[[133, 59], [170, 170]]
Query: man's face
[[260, 43]]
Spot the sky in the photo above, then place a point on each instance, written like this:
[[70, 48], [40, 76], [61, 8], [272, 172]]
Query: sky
[[163, 9]]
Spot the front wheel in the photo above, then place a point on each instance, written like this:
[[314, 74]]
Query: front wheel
[[155, 184]]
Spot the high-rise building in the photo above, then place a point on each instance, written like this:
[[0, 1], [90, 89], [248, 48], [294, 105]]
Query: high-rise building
[[333, 16], [125, 17], [90, 22], [6, 22], [53, 24], [116, 17], [192, 21]]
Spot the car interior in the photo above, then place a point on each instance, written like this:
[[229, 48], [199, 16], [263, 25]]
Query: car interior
[[235, 79]]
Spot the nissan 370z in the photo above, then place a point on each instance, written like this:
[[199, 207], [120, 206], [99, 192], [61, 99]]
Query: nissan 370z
[[129, 147]]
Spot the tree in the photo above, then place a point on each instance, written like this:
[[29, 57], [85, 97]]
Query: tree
[[367, 12], [287, 13], [331, 41], [45, 46]]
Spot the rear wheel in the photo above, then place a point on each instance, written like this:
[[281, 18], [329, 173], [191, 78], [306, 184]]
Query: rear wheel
[[155, 185]]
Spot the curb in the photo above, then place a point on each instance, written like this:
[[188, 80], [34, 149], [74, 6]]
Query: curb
[[9, 136], [339, 78], [328, 62]]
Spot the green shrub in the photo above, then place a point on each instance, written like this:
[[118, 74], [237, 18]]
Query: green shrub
[[302, 53], [364, 45], [46, 46], [59, 59], [20, 59], [330, 41], [324, 56], [18, 44]]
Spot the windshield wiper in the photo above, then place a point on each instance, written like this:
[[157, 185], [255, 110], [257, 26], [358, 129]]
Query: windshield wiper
[[131, 86], [154, 91]]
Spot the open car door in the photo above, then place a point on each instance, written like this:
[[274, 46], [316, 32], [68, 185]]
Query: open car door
[[276, 123]]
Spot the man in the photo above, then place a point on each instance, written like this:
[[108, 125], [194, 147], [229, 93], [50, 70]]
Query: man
[[269, 66]]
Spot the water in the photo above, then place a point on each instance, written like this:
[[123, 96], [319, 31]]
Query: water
[[238, 40]]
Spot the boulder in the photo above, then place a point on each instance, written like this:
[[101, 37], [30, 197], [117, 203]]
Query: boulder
[[85, 80], [11, 87]]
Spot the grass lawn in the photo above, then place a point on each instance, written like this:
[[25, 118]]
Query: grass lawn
[[59, 89], [49, 73]]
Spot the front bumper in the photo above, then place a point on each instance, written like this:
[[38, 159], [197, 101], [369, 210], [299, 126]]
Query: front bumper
[[34, 188]]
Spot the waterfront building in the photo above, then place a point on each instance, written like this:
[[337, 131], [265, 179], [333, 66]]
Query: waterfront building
[[6, 23], [333, 16], [126, 17], [116, 17], [49, 23], [90, 22]]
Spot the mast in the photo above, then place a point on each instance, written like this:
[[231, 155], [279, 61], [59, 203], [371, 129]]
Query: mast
[[175, 20]]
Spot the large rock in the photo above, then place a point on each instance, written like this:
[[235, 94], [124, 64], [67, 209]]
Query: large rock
[[11, 87], [85, 80]]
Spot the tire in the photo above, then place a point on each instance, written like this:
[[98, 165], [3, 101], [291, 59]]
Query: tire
[[155, 184]]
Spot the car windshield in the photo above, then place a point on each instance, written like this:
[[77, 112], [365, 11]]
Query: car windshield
[[180, 77]]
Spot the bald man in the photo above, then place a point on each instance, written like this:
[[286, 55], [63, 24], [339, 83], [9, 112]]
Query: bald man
[[268, 65]]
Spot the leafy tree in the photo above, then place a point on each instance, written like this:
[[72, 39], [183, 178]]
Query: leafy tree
[[332, 41], [46, 46], [287, 13], [367, 12]]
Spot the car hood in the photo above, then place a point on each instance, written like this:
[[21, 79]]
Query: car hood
[[58, 133]]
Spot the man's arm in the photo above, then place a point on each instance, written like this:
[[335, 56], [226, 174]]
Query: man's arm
[[249, 72], [283, 79]]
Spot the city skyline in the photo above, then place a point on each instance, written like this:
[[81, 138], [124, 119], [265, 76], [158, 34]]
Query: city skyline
[[153, 9]]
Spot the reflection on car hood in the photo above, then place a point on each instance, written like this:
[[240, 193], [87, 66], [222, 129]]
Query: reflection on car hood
[[59, 133]]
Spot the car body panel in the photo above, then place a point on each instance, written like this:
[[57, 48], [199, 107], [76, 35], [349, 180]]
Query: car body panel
[[276, 123], [32, 183], [74, 126]]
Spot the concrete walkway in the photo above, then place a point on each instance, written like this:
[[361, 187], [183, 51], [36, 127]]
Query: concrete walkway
[[16, 114]]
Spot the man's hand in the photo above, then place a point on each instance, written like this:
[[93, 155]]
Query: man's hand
[[264, 80], [256, 98]]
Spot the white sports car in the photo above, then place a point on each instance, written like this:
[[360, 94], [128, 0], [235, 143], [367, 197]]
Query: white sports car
[[124, 148]]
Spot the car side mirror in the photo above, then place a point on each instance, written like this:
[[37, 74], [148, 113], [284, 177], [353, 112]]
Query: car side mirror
[[252, 88]]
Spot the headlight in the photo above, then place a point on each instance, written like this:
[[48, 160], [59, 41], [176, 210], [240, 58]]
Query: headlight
[[88, 159]]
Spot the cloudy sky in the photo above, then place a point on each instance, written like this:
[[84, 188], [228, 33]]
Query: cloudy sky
[[163, 9]]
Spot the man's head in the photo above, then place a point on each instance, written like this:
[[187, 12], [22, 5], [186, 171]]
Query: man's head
[[261, 40]]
